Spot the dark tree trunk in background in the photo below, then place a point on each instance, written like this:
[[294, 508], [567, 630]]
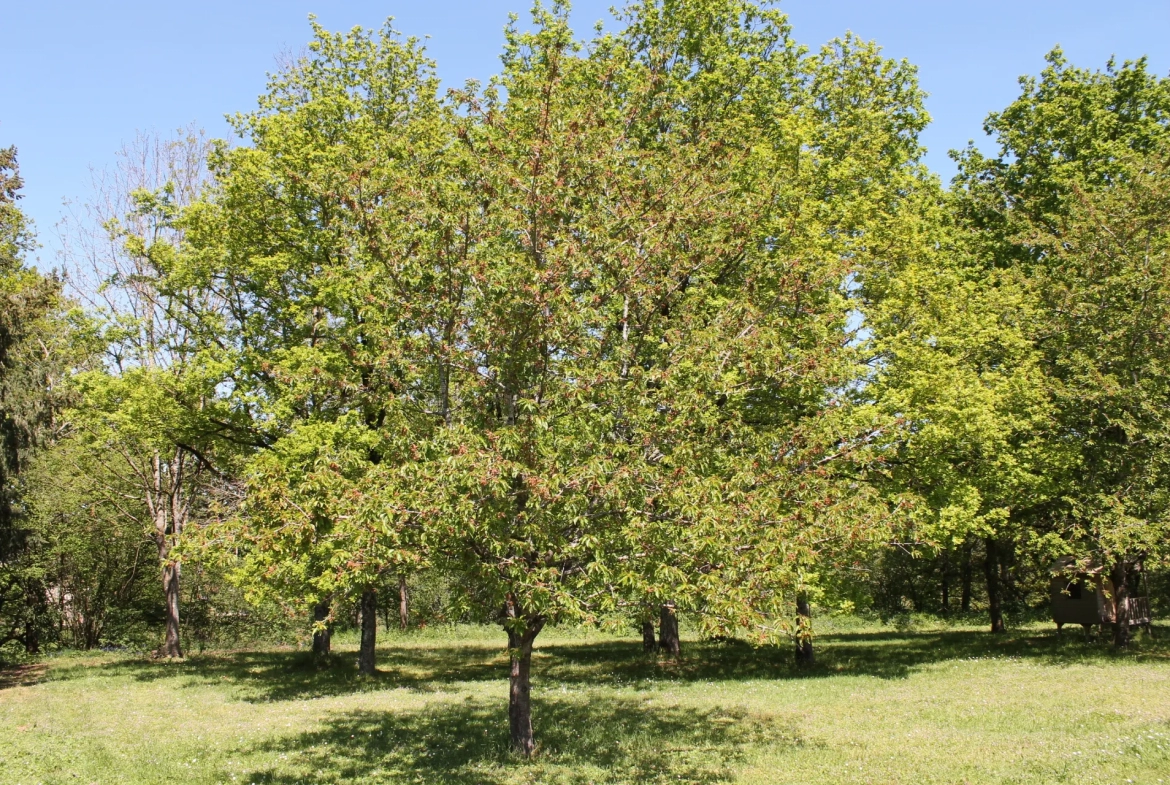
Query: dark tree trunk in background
[[668, 639], [965, 578], [403, 603], [32, 639], [171, 646], [1119, 576], [1006, 555], [991, 572], [520, 687], [648, 642], [321, 638], [946, 583], [804, 644], [37, 610], [369, 632]]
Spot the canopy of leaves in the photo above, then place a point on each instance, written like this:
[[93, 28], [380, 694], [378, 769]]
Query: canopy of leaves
[[33, 358], [1074, 207], [580, 337]]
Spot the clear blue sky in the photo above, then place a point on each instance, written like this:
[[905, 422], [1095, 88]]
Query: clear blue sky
[[79, 78]]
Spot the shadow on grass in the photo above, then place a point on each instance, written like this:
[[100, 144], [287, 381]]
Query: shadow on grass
[[274, 675], [462, 742], [22, 675]]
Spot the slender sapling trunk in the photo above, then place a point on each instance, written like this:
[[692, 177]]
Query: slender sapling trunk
[[946, 583], [804, 644], [994, 600], [403, 603], [1119, 576], [965, 577]]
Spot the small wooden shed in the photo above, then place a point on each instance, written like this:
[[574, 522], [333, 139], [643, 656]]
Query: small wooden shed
[[1084, 595]]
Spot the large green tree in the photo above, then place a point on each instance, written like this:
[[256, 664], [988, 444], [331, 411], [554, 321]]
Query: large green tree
[[33, 359], [579, 338], [976, 456], [1073, 208], [149, 414], [297, 240]]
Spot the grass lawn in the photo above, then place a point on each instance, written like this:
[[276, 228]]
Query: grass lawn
[[943, 705]]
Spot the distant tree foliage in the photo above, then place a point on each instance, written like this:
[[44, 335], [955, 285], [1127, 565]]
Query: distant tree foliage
[[32, 363], [1074, 208]]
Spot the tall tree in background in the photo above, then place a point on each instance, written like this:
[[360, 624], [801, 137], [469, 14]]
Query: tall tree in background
[[1074, 208], [954, 360], [32, 364], [303, 224], [148, 415]]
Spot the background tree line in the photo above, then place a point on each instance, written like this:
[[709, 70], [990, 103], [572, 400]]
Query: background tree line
[[670, 321]]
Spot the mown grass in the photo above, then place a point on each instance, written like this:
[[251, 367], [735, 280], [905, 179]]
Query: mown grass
[[935, 705]]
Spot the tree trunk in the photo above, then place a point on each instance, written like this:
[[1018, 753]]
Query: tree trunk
[[804, 644], [648, 642], [36, 606], [1006, 556], [946, 583], [668, 639], [520, 687], [32, 639], [321, 638], [991, 571], [965, 596], [169, 513], [171, 645], [369, 632], [1120, 580], [403, 603]]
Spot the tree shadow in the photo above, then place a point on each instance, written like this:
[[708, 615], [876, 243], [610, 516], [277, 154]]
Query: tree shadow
[[22, 675], [275, 675], [885, 654], [618, 741]]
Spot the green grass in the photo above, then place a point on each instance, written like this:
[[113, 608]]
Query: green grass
[[925, 705]]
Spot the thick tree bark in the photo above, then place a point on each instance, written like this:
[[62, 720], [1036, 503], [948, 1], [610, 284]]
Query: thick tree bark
[[668, 640], [403, 603], [648, 642], [520, 687], [991, 572], [321, 638], [804, 644], [171, 645], [1119, 576], [965, 578], [366, 663]]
